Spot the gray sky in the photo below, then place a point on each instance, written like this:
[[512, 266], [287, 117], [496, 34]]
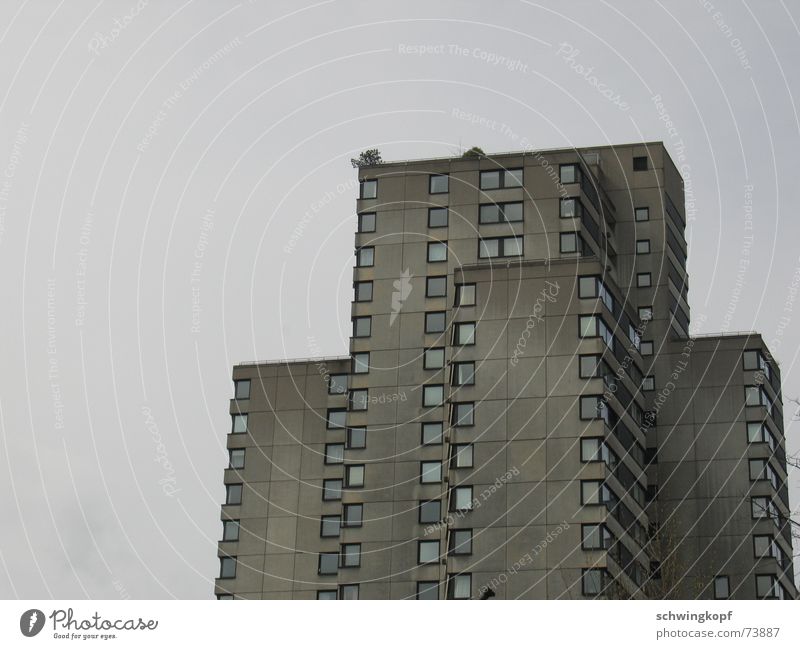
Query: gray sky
[[153, 170]]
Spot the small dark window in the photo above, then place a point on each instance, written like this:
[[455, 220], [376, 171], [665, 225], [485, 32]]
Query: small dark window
[[640, 163]]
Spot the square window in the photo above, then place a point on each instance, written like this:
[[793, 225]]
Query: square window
[[357, 437], [459, 586], [437, 251], [461, 542], [595, 537], [587, 326], [587, 287], [337, 383], [363, 291], [428, 590], [464, 373], [359, 399], [750, 360], [641, 214], [334, 453], [643, 280], [433, 358], [465, 295], [437, 217], [763, 546], [569, 242], [765, 586], [570, 208], [348, 591], [645, 313], [488, 248], [590, 449], [366, 222], [463, 414], [591, 407], [569, 174], [490, 179], [432, 432], [434, 322], [354, 475], [351, 555], [464, 333], [337, 417], [438, 183], [236, 458], [512, 246], [329, 526], [239, 424], [362, 327], [430, 472], [365, 257], [227, 567], [436, 286], [326, 594], [461, 500], [649, 383], [640, 163], [588, 366], [462, 456], [360, 363], [430, 511], [233, 494], [591, 492], [592, 581], [230, 530], [242, 388], [432, 395], [353, 515], [369, 189], [757, 468], [328, 563], [646, 348], [428, 552], [332, 489], [643, 246], [722, 589]]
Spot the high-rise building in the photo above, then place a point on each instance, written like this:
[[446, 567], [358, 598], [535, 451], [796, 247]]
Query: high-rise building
[[523, 412]]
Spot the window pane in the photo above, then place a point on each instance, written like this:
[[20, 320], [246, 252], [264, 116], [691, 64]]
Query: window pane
[[646, 348], [463, 498], [588, 366], [434, 322], [590, 492], [336, 418], [359, 399], [242, 389], [428, 551], [512, 212], [513, 178], [463, 414], [329, 526], [721, 588], [362, 327], [227, 567], [363, 291], [464, 373], [351, 555], [353, 515], [328, 563], [434, 358], [489, 213], [569, 208], [461, 542], [237, 458], [369, 188], [490, 179], [357, 437], [337, 384], [230, 531], [569, 242], [326, 594], [427, 590], [437, 217], [465, 333], [462, 586], [431, 472], [465, 295], [462, 456], [437, 251], [590, 450], [432, 395], [349, 591], [366, 222], [239, 424], [438, 184], [334, 453], [643, 280], [331, 489], [436, 287], [642, 213], [354, 475], [588, 326], [488, 248], [640, 163], [643, 247], [587, 287], [754, 433], [430, 511], [361, 363], [432, 432], [512, 246], [569, 174], [233, 494], [592, 582]]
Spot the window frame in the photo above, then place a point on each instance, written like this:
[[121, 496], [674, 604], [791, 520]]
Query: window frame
[[356, 320], [229, 491], [330, 459], [346, 507], [344, 555], [223, 562], [643, 252], [237, 417], [361, 228], [456, 550], [501, 247], [358, 287], [578, 243], [348, 444], [501, 213], [423, 473], [641, 214], [235, 523], [238, 453], [455, 421], [354, 363], [331, 383], [420, 509], [363, 184], [236, 384], [425, 359], [456, 379], [456, 451], [502, 176], [431, 177], [439, 440], [443, 314], [349, 483], [325, 558], [459, 290], [329, 492], [641, 277], [428, 543], [434, 403], [438, 208], [437, 245], [457, 327], [360, 263], [326, 519], [429, 293], [337, 411]]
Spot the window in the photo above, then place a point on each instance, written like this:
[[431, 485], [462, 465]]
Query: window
[[365, 257], [337, 384], [433, 358], [239, 424], [587, 286], [353, 515], [464, 373], [464, 333], [591, 492], [593, 581], [570, 242], [763, 546], [430, 472], [369, 189], [754, 395], [357, 437], [722, 588], [500, 213], [223, 596], [328, 563], [437, 217], [354, 475], [500, 247], [363, 291], [351, 555], [437, 251], [348, 591], [337, 417], [645, 313], [434, 322], [461, 542], [763, 507], [646, 348], [236, 458], [366, 222], [501, 178], [432, 395], [427, 590], [643, 280], [595, 537], [360, 363], [432, 433], [430, 511], [459, 586], [427, 551], [588, 366], [242, 388], [570, 208], [752, 359], [649, 383], [758, 469], [592, 407], [461, 499], [326, 594], [591, 448], [334, 453], [643, 246], [359, 399], [362, 327], [329, 526], [462, 456], [233, 494], [463, 414], [766, 586], [641, 214], [640, 163], [227, 567], [230, 530], [465, 295], [438, 183], [757, 432], [332, 489], [569, 174], [436, 286]]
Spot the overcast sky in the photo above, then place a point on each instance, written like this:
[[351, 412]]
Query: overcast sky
[[155, 159]]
